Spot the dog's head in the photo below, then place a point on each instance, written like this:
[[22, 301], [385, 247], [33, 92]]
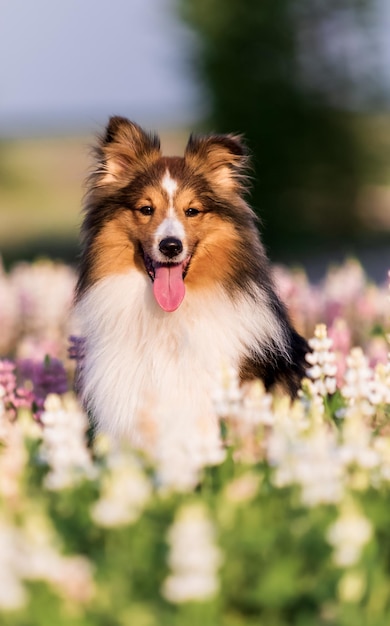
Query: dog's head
[[177, 219]]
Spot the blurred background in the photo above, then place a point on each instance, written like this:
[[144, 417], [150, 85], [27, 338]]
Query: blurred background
[[307, 82]]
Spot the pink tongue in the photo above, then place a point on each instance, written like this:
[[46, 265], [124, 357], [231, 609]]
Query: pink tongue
[[168, 287]]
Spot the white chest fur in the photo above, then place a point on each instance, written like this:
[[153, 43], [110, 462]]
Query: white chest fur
[[143, 363]]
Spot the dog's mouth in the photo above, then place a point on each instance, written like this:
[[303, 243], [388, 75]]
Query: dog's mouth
[[168, 281]]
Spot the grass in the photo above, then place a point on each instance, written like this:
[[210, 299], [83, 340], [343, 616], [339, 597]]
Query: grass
[[42, 188]]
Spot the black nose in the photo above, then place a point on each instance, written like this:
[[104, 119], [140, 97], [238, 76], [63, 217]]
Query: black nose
[[170, 246]]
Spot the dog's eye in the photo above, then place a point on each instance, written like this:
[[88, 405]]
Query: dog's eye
[[191, 212], [146, 210]]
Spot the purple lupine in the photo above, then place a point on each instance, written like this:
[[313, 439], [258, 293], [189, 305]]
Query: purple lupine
[[47, 376]]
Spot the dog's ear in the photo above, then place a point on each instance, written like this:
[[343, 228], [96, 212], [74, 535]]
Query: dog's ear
[[123, 150], [222, 159]]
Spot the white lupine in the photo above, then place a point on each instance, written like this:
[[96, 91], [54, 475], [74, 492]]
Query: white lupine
[[381, 445], [30, 552], [348, 535], [363, 388], [125, 491], [379, 388], [303, 452], [64, 445], [227, 395], [323, 369], [40, 558], [352, 586], [357, 443], [247, 409], [291, 424], [194, 559], [357, 381], [181, 455], [312, 462], [256, 406]]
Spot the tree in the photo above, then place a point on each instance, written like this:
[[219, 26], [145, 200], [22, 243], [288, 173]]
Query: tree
[[271, 72]]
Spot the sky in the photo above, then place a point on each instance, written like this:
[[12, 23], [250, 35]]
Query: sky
[[72, 63], [78, 61]]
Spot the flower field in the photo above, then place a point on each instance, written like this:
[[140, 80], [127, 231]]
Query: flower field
[[286, 522]]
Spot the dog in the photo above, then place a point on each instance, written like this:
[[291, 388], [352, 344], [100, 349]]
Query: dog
[[174, 283]]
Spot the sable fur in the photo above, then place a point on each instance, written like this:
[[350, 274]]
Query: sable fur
[[228, 275]]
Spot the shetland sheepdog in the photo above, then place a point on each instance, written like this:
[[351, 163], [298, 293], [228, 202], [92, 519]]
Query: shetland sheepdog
[[174, 283]]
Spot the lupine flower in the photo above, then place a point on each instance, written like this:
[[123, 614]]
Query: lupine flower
[[348, 535], [342, 295], [194, 559], [249, 425], [181, 454], [125, 491], [47, 376], [357, 376], [40, 559], [380, 385], [178, 466], [340, 333], [304, 302], [381, 445], [242, 489], [256, 408], [227, 395], [343, 286], [13, 396], [64, 445], [311, 462], [352, 586], [322, 371], [7, 381], [245, 409], [358, 384], [30, 552], [44, 291], [377, 351], [357, 443]]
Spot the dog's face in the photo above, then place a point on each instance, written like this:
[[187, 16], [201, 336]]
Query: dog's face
[[175, 219]]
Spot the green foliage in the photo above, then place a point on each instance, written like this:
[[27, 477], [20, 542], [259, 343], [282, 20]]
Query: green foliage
[[277, 563], [269, 73]]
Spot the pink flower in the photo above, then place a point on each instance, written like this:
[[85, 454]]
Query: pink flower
[[341, 335], [14, 397]]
